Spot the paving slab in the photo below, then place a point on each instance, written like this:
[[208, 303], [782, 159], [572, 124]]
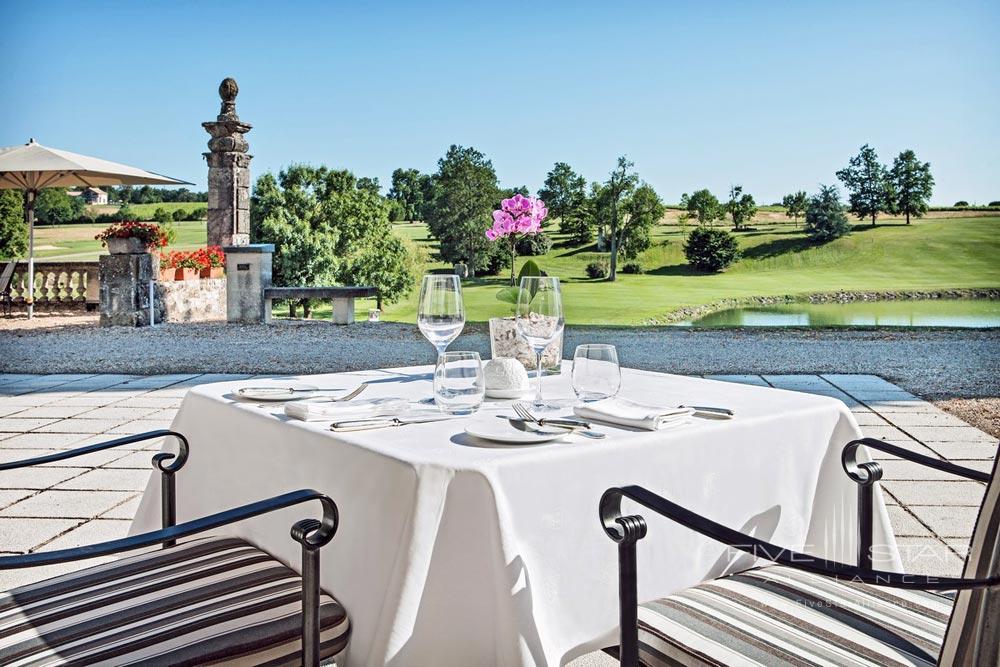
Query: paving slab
[[929, 434], [41, 440], [114, 412], [860, 382], [37, 477], [66, 504], [92, 532], [140, 426], [953, 451], [80, 426], [16, 425], [905, 524], [125, 510], [949, 522], [19, 535], [928, 555], [51, 412], [102, 478], [10, 496], [797, 382], [969, 494]]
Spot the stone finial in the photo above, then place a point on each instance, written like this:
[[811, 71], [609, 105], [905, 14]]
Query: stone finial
[[228, 90]]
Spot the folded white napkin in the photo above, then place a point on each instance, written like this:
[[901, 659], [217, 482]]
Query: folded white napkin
[[629, 413], [313, 410]]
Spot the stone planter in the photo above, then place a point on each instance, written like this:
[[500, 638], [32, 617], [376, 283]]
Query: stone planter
[[166, 275], [506, 342], [185, 274], [126, 246], [212, 272]]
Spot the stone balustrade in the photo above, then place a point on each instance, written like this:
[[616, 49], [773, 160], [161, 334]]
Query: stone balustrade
[[57, 283]]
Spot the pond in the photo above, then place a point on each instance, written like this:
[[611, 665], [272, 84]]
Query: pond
[[967, 313]]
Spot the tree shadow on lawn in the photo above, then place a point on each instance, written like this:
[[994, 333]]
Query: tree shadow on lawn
[[677, 270], [867, 226], [778, 247], [592, 247]]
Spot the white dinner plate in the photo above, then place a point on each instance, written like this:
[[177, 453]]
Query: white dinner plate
[[502, 431], [507, 393], [277, 392]]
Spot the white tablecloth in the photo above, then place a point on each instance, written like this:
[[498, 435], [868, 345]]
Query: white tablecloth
[[455, 552]]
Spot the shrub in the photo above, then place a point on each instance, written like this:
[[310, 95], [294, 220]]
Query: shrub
[[598, 269], [162, 215], [181, 214], [200, 213], [533, 245], [711, 249], [825, 217], [632, 267], [961, 203], [994, 203]]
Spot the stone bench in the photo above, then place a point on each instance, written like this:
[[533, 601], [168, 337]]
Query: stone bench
[[342, 297]]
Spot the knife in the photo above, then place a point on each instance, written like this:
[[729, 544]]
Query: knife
[[384, 422]]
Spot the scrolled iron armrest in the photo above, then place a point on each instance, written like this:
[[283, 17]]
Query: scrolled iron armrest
[[612, 520], [158, 460], [326, 529], [862, 472]]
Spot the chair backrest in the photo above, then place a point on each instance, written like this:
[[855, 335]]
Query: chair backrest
[[8, 273], [973, 636]]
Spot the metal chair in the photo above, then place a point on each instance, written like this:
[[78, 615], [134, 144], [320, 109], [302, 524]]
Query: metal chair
[[215, 600], [5, 285], [808, 610]]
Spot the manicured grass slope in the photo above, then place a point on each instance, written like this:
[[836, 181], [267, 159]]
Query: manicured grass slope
[[929, 254], [77, 243]]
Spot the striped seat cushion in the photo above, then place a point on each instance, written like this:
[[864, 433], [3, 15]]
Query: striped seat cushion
[[207, 601], [778, 616]]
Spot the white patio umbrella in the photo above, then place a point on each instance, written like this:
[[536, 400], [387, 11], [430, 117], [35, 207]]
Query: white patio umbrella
[[32, 167]]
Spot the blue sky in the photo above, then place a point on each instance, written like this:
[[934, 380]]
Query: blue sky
[[775, 96]]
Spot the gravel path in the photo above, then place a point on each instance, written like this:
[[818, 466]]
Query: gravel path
[[936, 364]]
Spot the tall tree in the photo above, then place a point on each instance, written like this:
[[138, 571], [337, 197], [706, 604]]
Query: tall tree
[[55, 207], [407, 190], [913, 184], [867, 181], [620, 186], [795, 204], [643, 209], [465, 194], [703, 205], [327, 229], [825, 219], [565, 194], [741, 206], [13, 228], [371, 184]]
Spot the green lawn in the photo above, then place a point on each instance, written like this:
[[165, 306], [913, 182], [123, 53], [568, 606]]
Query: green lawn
[[931, 254], [77, 243]]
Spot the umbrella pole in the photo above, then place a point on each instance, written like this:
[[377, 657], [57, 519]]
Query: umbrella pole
[[29, 214]]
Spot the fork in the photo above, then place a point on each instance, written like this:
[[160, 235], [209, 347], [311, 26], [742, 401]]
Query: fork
[[346, 397], [581, 427]]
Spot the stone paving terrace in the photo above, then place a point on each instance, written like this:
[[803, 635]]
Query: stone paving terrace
[[94, 497]]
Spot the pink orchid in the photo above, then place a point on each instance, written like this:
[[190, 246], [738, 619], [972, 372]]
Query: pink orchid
[[517, 216]]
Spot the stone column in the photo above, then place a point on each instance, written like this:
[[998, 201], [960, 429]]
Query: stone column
[[248, 274], [228, 173]]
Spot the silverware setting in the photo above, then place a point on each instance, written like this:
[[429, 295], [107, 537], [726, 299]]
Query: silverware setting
[[707, 411], [335, 399], [384, 422], [571, 425]]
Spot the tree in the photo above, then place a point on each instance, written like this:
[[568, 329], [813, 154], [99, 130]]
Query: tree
[[795, 204], [912, 183], [740, 206], [961, 203], [370, 184], [408, 189], [711, 250], [703, 205], [13, 228], [620, 186], [327, 229], [54, 207], [642, 210], [465, 194], [869, 185], [825, 218], [565, 195]]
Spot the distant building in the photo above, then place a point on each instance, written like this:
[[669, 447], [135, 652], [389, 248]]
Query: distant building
[[91, 195]]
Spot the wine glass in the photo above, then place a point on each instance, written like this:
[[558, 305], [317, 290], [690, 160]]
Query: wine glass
[[440, 312], [539, 320], [596, 373]]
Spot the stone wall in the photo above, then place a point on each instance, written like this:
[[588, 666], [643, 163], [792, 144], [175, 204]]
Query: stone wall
[[201, 300]]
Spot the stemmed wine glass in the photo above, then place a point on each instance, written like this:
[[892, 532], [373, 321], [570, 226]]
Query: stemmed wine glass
[[440, 312], [539, 320]]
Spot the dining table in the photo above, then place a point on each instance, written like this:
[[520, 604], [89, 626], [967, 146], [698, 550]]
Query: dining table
[[453, 550]]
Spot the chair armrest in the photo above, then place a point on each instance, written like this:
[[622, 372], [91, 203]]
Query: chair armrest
[[621, 528], [858, 473], [310, 533], [158, 459]]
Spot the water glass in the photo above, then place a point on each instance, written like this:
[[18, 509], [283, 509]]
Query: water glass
[[459, 385], [596, 373]]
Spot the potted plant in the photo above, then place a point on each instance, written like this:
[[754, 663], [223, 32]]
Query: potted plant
[[505, 341], [168, 266], [187, 266], [132, 238], [211, 262], [516, 218]]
